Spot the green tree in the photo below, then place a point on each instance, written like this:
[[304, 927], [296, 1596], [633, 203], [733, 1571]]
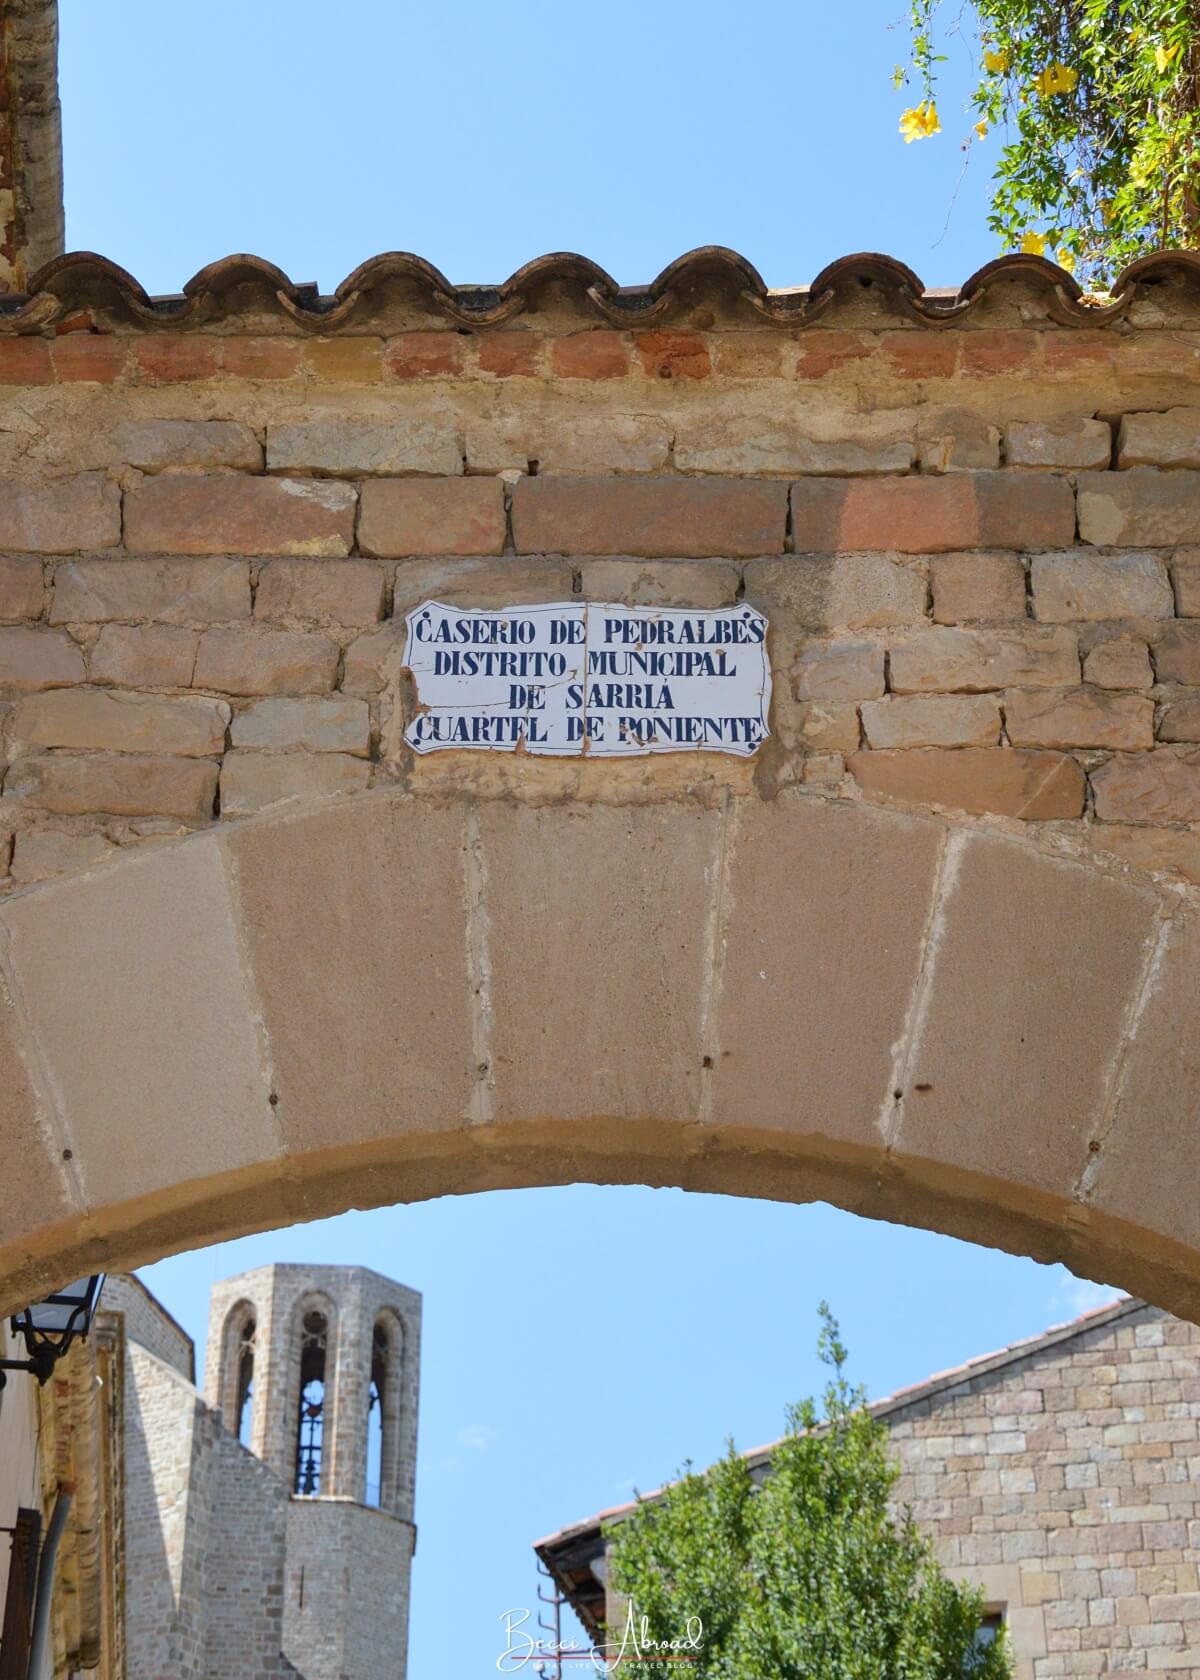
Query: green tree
[[1099, 103], [808, 1577]]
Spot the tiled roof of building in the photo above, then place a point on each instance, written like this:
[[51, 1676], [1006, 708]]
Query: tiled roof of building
[[711, 273]]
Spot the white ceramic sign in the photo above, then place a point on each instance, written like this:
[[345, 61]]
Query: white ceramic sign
[[574, 677]]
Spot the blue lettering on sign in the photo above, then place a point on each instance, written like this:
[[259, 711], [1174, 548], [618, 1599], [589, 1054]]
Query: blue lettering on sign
[[592, 679]]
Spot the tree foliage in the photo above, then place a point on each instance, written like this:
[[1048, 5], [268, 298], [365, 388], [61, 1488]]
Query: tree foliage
[[1099, 104], [809, 1576]]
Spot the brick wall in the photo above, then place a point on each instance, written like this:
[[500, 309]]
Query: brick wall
[[979, 548]]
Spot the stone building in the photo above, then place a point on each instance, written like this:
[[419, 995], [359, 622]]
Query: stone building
[[1061, 1474], [191, 1554]]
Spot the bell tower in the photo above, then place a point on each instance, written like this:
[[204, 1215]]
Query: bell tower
[[315, 1369]]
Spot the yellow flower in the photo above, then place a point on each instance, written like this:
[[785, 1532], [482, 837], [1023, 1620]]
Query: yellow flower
[[997, 62], [1056, 78], [1164, 55], [1033, 245], [919, 122], [981, 130], [1066, 259]]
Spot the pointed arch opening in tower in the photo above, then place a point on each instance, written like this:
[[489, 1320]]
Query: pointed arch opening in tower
[[244, 1391], [378, 1419], [310, 1423]]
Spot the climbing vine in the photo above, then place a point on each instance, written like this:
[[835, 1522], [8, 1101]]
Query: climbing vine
[[1095, 106]]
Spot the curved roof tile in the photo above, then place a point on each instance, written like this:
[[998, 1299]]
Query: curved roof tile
[[82, 279]]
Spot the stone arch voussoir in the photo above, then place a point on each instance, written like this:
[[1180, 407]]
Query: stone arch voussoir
[[389, 997]]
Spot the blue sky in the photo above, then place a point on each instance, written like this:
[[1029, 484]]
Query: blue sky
[[580, 1341]]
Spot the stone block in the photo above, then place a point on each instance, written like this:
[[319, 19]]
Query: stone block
[[1064, 444], [350, 592], [370, 977], [828, 1041], [974, 586], [957, 441], [1156, 787], [34, 659], [339, 725], [1002, 781], [61, 517], [641, 864], [169, 591], [432, 516], [1185, 574], [692, 517], [1016, 937], [22, 589], [1080, 584], [250, 781], [1142, 506], [160, 932], [143, 655], [482, 582], [152, 445], [828, 726], [579, 444], [1180, 717], [836, 592], [348, 448], [121, 785], [229, 514], [660, 583], [40, 853], [1174, 849], [1170, 439], [37, 1188], [839, 671], [939, 720], [1079, 717], [974, 661], [240, 660], [1177, 654], [704, 444], [928, 514], [108, 720], [1122, 662]]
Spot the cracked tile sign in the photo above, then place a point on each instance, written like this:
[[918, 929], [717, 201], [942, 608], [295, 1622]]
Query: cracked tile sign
[[570, 678]]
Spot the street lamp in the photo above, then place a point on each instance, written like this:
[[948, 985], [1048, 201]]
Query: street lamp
[[51, 1325]]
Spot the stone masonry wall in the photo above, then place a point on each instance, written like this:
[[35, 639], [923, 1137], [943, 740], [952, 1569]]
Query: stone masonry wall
[[978, 545], [1068, 1484], [205, 1538]]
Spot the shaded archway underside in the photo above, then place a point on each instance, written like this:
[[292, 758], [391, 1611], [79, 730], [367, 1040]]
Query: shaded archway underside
[[388, 997]]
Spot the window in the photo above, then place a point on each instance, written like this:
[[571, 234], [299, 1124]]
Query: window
[[377, 1421], [989, 1627], [18, 1608], [310, 1424], [244, 1395]]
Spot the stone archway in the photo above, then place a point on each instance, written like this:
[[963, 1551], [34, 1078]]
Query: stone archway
[[389, 997]]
